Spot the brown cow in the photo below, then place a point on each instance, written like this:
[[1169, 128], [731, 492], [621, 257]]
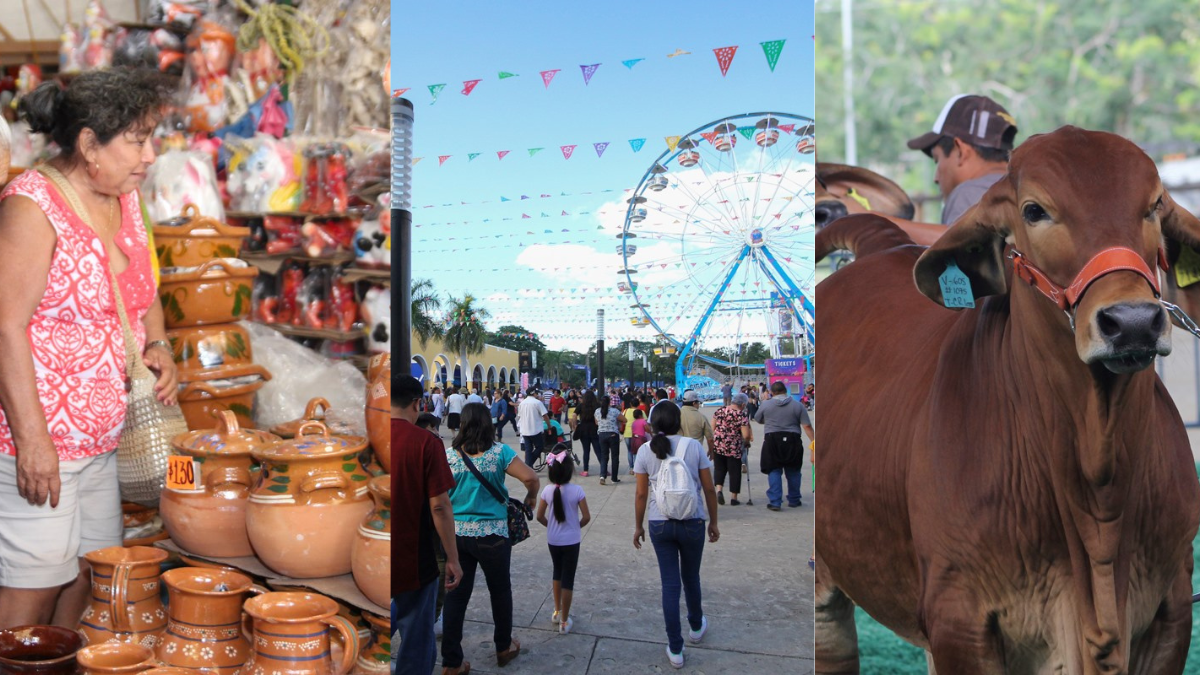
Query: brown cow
[[1009, 487], [844, 190]]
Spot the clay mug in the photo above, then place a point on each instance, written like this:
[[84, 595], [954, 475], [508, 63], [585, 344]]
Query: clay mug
[[204, 627], [125, 578], [371, 556], [291, 635], [376, 656], [39, 650], [116, 658]]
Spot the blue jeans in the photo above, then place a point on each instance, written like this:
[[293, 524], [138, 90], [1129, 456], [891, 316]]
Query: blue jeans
[[629, 449], [414, 620], [775, 486], [533, 445], [679, 545], [610, 446], [590, 442], [492, 554]]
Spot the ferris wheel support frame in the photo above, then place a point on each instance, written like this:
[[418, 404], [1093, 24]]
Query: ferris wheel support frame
[[809, 326], [686, 348]]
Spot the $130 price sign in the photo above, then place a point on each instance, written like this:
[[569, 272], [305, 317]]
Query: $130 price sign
[[183, 473]]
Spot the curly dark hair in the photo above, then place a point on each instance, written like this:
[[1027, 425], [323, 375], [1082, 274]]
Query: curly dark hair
[[109, 102]]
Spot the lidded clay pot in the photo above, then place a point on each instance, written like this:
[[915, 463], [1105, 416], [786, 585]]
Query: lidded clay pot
[[307, 503], [379, 408], [371, 557], [211, 520]]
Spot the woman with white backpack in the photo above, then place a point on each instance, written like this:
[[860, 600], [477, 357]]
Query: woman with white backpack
[[675, 488]]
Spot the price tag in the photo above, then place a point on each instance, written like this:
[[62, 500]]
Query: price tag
[[1187, 268], [183, 473], [956, 288]]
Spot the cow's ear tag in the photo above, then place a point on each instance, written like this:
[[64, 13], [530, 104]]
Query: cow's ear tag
[[1187, 268], [956, 288]]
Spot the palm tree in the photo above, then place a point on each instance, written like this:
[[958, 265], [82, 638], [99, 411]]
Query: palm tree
[[464, 332], [425, 303]]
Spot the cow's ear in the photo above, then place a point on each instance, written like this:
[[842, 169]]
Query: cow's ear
[[1178, 223], [975, 243]]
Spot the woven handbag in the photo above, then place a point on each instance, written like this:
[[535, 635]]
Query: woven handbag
[[518, 513], [145, 442]]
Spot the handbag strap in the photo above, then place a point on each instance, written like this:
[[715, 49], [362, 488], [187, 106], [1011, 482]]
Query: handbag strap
[[134, 367], [490, 488]]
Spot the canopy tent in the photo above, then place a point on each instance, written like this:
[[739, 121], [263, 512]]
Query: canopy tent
[[32, 34]]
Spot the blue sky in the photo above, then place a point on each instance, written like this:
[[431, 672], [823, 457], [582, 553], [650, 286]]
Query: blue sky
[[451, 42]]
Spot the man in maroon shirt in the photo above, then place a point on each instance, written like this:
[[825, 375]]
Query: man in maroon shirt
[[421, 483]]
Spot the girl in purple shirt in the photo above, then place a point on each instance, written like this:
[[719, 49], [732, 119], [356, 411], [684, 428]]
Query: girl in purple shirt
[[563, 531]]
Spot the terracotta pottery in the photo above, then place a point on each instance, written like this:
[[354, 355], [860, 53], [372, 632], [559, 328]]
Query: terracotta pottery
[[199, 400], [205, 564], [376, 655], [168, 670], [307, 502], [204, 629], [379, 408], [313, 412], [205, 348], [192, 239], [216, 292], [291, 635], [113, 658], [350, 613], [125, 578], [39, 650], [211, 521], [371, 557]]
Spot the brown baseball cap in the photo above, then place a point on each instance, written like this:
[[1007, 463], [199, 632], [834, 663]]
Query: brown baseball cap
[[975, 119]]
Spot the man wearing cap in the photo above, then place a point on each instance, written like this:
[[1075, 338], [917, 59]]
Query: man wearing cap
[[970, 142], [693, 423]]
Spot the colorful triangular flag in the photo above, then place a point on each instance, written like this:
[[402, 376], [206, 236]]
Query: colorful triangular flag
[[771, 50], [631, 63], [525, 215], [672, 141], [469, 86], [724, 57], [600, 148], [505, 74], [399, 92], [548, 75], [788, 127], [637, 143], [501, 153], [434, 90], [567, 150], [710, 136], [442, 159], [746, 132], [677, 52], [472, 155], [417, 159], [504, 199], [533, 151], [588, 71], [565, 213]]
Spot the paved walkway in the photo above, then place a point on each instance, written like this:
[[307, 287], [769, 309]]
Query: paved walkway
[[758, 592]]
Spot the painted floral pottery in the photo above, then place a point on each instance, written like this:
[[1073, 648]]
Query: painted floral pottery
[[125, 579], [113, 658], [313, 412], [215, 292], [379, 408], [204, 626], [376, 655], [200, 399], [350, 613], [307, 503], [39, 650], [201, 349], [291, 635], [169, 670], [371, 556], [192, 239], [211, 520]]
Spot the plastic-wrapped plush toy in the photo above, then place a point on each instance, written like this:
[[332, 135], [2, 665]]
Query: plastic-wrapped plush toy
[[261, 175], [282, 234], [324, 238], [291, 276], [313, 300], [326, 190], [98, 37], [264, 300], [343, 307], [149, 48], [70, 58], [182, 13], [376, 311], [211, 53], [180, 177], [369, 245]]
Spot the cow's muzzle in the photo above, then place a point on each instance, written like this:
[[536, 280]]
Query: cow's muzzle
[[1132, 334]]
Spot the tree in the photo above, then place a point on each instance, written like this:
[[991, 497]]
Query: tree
[[518, 338], [465, 333], [425, 303]]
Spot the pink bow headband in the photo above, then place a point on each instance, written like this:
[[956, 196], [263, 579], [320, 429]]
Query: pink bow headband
[[553, 458]]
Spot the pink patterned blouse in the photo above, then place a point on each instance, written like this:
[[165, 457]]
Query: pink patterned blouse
[[75, 333]]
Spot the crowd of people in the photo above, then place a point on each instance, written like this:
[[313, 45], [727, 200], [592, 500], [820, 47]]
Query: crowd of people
[[678, 458]]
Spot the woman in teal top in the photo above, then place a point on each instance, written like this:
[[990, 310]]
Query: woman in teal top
[[481, 526]]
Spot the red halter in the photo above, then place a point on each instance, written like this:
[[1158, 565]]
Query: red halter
[[1105, 262]]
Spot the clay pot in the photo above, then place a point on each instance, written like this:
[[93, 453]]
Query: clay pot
[[114, 658], [192, 239], [204, 629], [125, 578], [313, 412], [201, 349], [371, 556], [307, 502], [39, 650], [379, 408], [211, 521], [200, 399], [168, 670], [291, 635], [376, 655], [216, 292]]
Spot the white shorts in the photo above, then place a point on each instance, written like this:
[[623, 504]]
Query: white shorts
[[40, 547]]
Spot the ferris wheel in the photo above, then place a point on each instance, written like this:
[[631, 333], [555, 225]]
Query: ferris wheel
[[717, 245]]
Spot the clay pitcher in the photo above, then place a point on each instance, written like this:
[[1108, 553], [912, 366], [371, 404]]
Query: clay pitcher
[[211, 520], [204, 626], [376, 656], [39, 650], [125, 578], [307, 503], [291, 635], [112, 658], [379, 408], [371, 557]]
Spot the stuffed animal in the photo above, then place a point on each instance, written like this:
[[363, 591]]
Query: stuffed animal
[[178, 178], [376, 311], [261, 174]]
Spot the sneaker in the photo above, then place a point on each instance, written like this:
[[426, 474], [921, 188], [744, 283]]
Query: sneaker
[[437, 626], [676, 659], [772, 507], [631, 472], [720, 498], [565, 627], [583, 473], [697, 635], [554, 618], [602, 480], [734, 502]]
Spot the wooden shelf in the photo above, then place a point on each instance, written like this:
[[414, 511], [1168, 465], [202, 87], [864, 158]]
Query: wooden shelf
[[383, 277], [251, 215], [316, 333], [271, 262]]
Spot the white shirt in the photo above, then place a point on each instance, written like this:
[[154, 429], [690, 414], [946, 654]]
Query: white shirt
[[474, 398], [529, 417], [439, 405], [455, 403]]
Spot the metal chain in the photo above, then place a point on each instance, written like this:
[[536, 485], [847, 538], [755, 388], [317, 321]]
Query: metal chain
[[1184, 320]]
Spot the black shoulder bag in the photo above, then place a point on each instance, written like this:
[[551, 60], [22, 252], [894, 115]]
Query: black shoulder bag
[[518, 513]]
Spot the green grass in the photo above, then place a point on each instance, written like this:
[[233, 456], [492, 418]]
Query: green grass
[[882, 652]]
